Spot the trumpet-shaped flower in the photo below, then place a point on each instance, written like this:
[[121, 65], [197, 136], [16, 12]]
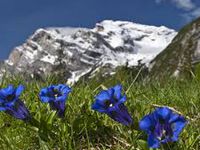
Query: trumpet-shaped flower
[[11, 104], [162, 126], [111, 102], [56, 96]]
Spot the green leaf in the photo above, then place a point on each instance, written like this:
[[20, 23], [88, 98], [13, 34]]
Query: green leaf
[[51, 117], [143, 144]]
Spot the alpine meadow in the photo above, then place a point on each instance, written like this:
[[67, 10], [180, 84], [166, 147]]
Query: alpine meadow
[[119, 85]]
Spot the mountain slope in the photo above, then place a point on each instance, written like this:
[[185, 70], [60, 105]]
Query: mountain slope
[[181, 57], [75, 52]]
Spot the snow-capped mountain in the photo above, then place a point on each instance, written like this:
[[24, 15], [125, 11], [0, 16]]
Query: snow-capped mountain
[[75, 52]]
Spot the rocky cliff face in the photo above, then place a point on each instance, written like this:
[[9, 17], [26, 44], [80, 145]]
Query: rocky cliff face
[[75, 52], [1, 68], [181, 57]]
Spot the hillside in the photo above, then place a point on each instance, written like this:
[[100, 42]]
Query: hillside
[[182, 55]]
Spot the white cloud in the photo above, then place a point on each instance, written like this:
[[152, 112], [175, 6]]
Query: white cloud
[[158, 1], [196, 12], [192, 11], [191, 15], [182, 4]]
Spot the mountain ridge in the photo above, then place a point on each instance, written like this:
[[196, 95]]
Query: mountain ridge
[[181, 55], [74, 52]]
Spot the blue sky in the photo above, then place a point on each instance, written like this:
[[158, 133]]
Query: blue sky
[[20, 18]]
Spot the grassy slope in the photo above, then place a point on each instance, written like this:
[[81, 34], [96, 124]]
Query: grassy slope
[[83, 128]]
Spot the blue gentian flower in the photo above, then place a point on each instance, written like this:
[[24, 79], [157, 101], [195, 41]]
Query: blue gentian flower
[[162, 126], [56, 96], [111, 102], [11, 103]]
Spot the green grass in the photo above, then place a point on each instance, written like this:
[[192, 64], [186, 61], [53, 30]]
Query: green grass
[[83, 128]]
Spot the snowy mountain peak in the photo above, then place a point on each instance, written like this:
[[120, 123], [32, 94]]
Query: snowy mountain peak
[[144, 40], [74, 52]]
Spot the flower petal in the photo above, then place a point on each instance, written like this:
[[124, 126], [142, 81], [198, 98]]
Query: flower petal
[[163, 113], [43, 92], [44, 95], [146, 123], [19, 111], [2, 108], [19, 90], [66, 90], [153, 142], [120, 114], [123, 99], [117, 91], [1, 100], [59, 106], [98, 108], [177, 127], [61, 98], [124, 113], [110, 91], [11, 103], [7, 91], [102, 97], [45, 99]]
